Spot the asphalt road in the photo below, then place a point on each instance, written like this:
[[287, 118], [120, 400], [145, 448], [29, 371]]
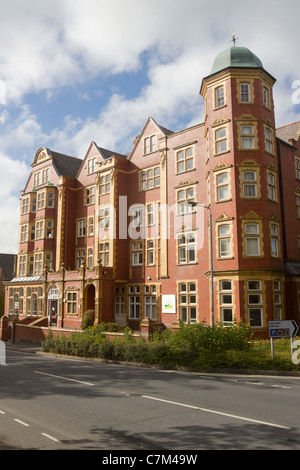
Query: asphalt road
[[49, 403]]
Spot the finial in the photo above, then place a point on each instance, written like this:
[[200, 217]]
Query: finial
[[234, 38]]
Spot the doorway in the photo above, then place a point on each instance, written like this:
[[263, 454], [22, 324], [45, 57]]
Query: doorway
[[53, 306], [90, 297]]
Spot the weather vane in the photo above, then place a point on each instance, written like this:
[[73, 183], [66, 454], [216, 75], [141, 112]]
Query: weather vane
[[234, 38]]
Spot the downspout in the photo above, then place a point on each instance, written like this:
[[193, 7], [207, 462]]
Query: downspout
[[282, 211]]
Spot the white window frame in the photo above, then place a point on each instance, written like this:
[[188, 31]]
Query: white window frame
[[184, 196], [137, 251], [134, 307], [274, 240], [150, 307], [249, 184], [222, 186], [226, 301], [221, 144], [185, 160], [150, 144], [186, 246], [268, 140], [104, 253], [81, 228], [219, 96], [245, 93], [80, 257], [252, 235], [187, 295], [224, 238], [247, 136]]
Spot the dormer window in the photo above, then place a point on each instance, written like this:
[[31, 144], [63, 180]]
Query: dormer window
[[150, 144], [46, 175], [92, 165], [37, 179]]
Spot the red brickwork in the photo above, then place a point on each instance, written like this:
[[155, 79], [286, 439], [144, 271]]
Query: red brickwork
[[126, 280]]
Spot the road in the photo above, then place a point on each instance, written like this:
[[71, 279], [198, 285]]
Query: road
[[49, 403]]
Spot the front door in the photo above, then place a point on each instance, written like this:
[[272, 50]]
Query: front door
[[53, 306], [54, 312]]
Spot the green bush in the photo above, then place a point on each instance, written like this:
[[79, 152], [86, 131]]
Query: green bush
[[200, 337], [197, 346], [87, 319]]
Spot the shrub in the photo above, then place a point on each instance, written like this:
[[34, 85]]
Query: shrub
[[87, 319], [197, 346], [200, 337]]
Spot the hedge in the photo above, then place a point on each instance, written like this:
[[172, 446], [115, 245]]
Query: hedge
[[197, 347]]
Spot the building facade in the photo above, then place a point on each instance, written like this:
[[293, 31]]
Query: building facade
[[197, 225]]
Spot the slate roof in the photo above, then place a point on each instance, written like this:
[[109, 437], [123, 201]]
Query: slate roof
[[106, 154], [290, 131], [8, 266], [292, 269], [66, 165]]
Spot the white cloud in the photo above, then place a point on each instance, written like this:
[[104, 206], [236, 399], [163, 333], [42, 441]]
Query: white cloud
[[13, 177], [21, 133], [45, 45]]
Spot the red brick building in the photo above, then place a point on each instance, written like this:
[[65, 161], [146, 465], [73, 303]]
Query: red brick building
[[128, 236]]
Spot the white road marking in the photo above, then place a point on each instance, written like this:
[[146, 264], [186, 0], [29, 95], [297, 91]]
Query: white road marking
[[50, 437], [254, 383], [2, 412], [21, 422], [64, 378], [280, 386], [218, 412]]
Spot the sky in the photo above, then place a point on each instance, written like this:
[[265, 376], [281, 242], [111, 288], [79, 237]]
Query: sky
[[76, 71]]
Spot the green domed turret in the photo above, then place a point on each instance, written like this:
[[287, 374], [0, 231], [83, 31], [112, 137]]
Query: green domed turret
[[235, 57]]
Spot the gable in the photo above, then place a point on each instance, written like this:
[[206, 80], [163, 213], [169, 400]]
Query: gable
[[95, 159], [147, 143]]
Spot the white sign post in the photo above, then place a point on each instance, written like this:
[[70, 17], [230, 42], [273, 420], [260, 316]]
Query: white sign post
[[282, 329]]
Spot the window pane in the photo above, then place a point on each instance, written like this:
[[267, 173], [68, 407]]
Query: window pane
[[252, 246], [254, 285], [251, 228], [225, 247], [222, 178], [220, 133], [226, 285], [221, 146], [249, 176], [223, 193], [249, 190], [247, 130], [224, 230], [227, 315], [226, 299], [255, 317]]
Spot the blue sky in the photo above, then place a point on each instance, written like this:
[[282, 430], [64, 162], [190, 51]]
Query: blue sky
[[73, 71]]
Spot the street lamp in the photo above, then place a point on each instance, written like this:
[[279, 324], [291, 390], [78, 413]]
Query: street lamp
[[193, 204]]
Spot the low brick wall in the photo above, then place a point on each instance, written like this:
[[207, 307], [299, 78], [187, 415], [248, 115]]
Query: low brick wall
[[33, 330], [31, 334]]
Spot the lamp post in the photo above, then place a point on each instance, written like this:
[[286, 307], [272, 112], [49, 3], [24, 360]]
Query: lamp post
[[193, 204]]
